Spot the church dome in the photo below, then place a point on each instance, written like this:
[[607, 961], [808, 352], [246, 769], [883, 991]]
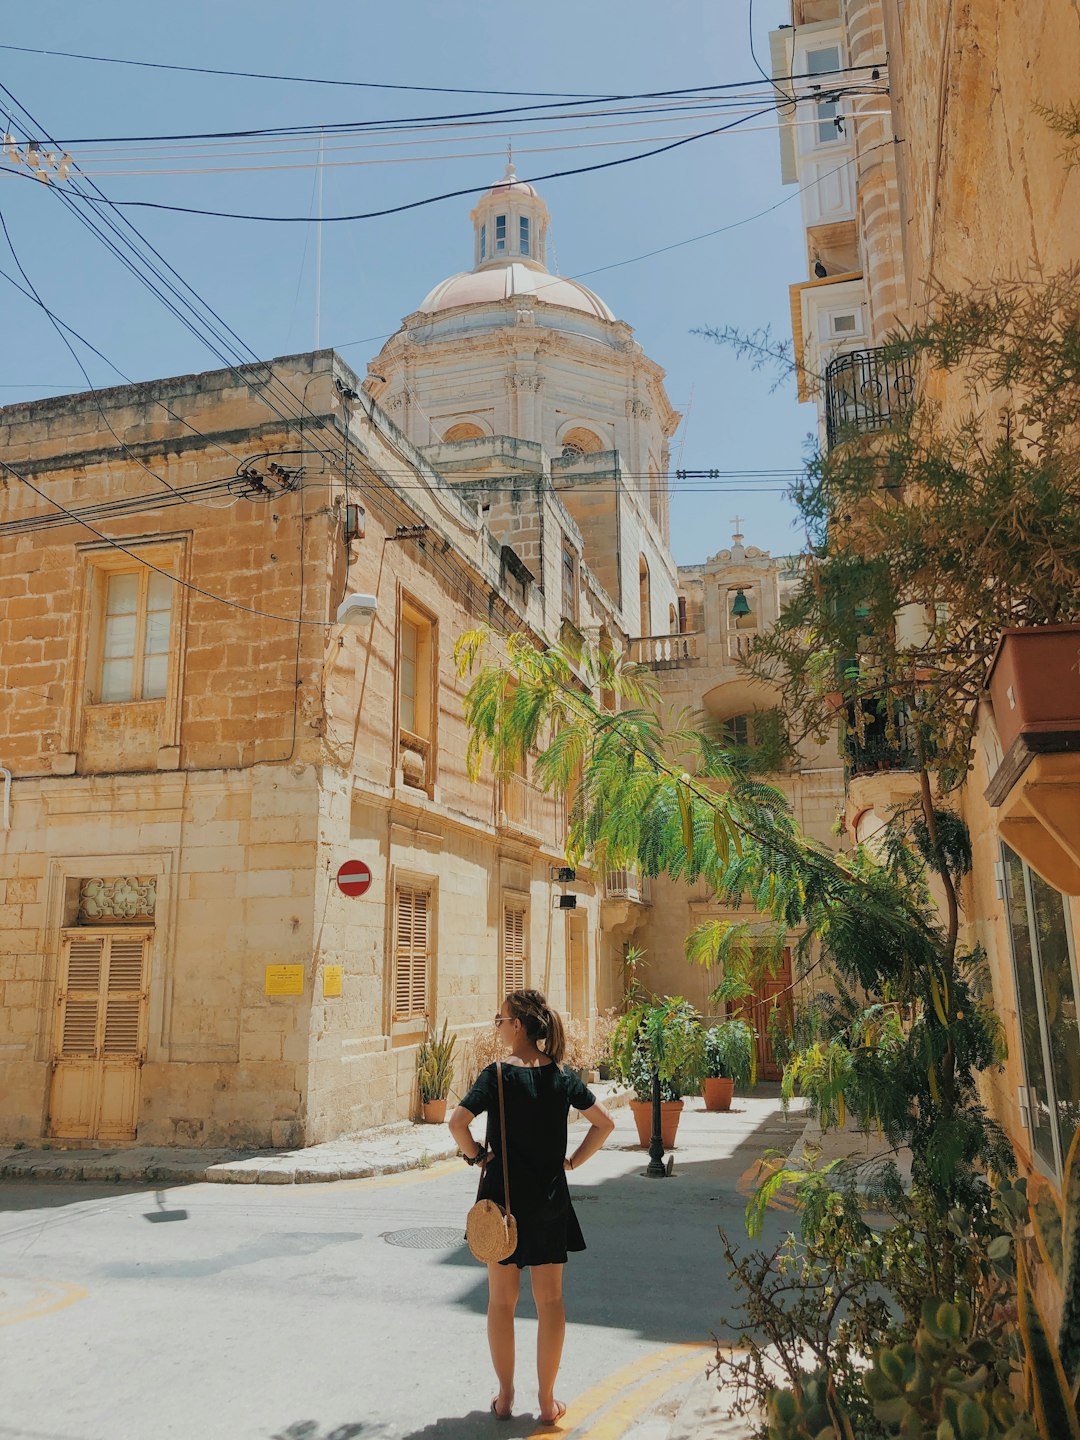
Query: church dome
[[510, 225], [513, 281]]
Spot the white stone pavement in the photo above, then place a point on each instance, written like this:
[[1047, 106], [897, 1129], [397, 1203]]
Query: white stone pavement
[[386, 1151]]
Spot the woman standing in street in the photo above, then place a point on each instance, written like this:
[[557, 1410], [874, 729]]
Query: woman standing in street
[[538, 1094]]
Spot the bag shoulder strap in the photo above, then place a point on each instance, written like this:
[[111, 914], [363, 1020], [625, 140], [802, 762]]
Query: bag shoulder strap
[[502, 1136], [502, 1140]]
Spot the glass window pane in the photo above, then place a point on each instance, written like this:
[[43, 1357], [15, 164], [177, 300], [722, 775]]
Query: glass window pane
[[122, 595], [524, 235], [1027, 1000], [1059, 1004], [116, 681], [155, 677], [119, 637], [820, 62], [483, 241], [159, 591]]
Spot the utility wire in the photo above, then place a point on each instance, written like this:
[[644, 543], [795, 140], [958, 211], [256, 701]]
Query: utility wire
[[431, 199], [291, 79], [503, 116]]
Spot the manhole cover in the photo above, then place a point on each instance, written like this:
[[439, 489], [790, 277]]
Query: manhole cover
[[432, 1237]]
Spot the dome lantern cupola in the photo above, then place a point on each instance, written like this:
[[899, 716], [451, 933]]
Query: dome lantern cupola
[[510, 225]]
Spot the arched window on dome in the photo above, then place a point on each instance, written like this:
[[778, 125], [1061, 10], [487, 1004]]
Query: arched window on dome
[[579, 441], [464, 430]]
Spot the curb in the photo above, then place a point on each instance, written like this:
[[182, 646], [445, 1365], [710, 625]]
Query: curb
[[354, 1159]]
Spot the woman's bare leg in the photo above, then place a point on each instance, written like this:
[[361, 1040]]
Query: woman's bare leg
[[551, 1313], [504, 1286]]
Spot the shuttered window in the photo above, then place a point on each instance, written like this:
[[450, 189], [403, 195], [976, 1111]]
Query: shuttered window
[[513, 977], [102, 993], [412, 950]]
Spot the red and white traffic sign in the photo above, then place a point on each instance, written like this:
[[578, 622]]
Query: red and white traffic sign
[[354, 877]]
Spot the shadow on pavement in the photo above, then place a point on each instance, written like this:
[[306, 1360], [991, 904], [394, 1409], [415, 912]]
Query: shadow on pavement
[[652, 1243]]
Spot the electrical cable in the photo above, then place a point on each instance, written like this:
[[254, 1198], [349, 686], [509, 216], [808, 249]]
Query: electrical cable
[[149, 564], [34, 295], [504, 115], [788, 99], [291, 79], [431, 199]]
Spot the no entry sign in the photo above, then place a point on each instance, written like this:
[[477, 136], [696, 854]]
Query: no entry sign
[[354, 877]]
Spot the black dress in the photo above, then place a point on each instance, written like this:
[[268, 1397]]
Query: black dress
[[537, 1100]]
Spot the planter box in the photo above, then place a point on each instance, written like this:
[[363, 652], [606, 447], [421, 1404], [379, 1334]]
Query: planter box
[[716, 1091], [1034, 683], [670, 1110]]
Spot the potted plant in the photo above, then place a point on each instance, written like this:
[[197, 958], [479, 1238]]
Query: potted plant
[[659, 1041], [434, 1073], [729, 1061]]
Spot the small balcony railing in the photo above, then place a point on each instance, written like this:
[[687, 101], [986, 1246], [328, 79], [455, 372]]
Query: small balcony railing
[[876, 752], [866, 392], [741, 643], [660, 652], [519, 805], [628, 885], [414, 760]]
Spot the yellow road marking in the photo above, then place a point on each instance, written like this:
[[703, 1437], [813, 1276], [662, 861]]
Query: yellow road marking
[[49, 1296], [630, 1376], [434, 1171], [615, 1422]]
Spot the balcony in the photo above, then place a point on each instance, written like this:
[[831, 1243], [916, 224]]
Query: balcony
[[520, 806], [664, 652], [414, 760], [865, 392], [741, 643], [875, 753], [628, 885]]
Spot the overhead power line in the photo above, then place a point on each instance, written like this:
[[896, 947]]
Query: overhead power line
[[503, 116], [428, 200]]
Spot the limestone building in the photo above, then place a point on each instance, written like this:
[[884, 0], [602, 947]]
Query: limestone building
[[192, 743], [728, 601], [896, 205]]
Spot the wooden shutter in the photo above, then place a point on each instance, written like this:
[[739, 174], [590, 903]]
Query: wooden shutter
[[124, 995], [80, 992], [412, 950], [513, 948], [102, 990]]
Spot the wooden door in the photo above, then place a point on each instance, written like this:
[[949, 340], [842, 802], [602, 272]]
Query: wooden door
[[100, 1037], [772, 991]]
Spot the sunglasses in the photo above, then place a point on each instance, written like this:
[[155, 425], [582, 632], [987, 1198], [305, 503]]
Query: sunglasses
[[503, 1019]]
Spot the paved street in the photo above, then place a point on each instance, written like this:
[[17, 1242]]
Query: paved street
[[323, 1312]]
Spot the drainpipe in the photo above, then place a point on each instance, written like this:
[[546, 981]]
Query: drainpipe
[[5, 824]]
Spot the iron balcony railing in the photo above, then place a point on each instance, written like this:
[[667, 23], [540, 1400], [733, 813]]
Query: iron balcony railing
[[865, 392]]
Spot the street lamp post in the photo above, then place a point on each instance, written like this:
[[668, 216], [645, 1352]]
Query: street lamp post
[[656, 1170]]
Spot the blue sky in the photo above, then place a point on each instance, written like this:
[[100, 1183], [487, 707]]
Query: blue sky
[[260, 277]]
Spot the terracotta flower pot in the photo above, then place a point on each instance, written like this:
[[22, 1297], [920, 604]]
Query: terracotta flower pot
[[717, 1091], [670, 1110], [434, 1111], [1034, 681]]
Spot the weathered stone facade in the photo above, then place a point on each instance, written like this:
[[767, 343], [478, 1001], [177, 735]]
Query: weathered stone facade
[[962, 183]]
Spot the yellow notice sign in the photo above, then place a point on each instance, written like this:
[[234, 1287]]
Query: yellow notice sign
[[284, 980], [331, 980]]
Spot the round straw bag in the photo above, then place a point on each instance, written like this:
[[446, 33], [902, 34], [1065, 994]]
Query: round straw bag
[[490, 1228], [490, 1232]]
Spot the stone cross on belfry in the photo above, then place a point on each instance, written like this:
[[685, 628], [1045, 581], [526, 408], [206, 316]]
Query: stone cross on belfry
[[737, 522]]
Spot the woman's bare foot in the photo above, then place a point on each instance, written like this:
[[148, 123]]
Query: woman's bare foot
[[553, 1413]]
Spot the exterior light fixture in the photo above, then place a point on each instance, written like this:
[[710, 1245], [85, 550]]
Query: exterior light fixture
[[354, 523], [567, 902], [357, 610], [740, 606]]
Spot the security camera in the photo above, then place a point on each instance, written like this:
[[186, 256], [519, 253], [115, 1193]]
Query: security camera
[[357, 610]]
